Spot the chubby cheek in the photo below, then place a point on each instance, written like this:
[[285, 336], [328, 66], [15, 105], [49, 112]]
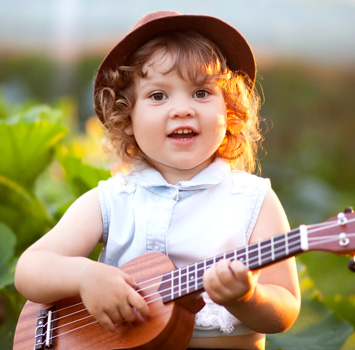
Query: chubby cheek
[[147, 135], [220, 127]]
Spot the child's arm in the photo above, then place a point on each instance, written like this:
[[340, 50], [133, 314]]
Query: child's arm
[[268, 300], [56, 266]]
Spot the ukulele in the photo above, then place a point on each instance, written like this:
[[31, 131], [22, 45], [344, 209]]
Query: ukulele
[[173, 294]]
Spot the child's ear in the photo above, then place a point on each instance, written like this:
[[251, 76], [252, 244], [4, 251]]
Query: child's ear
[[129, 130]]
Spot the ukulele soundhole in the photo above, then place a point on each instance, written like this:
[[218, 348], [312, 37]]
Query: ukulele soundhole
[[45, 328]]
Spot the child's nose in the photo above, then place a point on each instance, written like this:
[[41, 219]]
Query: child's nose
[[182, 111]]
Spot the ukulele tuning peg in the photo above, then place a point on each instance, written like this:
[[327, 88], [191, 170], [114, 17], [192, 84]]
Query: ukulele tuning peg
[[349, 210], [351, 264]]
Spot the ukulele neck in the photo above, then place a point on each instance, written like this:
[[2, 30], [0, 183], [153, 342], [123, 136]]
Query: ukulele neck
[[189, 279]]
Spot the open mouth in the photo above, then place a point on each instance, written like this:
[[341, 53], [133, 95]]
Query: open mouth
[[183, 134]]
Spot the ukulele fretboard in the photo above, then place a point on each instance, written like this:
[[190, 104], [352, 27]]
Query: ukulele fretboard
[[189, 279]]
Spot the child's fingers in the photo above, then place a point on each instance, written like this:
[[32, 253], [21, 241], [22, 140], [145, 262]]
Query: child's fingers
[[231, 274], [219, 281], [128, 303], [115, 316], [138, 303], [123, 310], [135, 299], [129, 280], [127, 313], [243, 274], [106, 321], [228, 281]]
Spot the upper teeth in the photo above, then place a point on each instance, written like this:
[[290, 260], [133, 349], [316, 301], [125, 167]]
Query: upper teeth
[[183, 131]]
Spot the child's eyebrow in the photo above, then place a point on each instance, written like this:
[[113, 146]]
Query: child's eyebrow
[[153, 83]]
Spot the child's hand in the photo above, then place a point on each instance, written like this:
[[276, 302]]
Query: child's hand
[[230, 282], [108, 294]]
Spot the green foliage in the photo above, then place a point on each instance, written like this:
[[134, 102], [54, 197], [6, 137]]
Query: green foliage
[[316, 327], [82, 177], [27, 147], [31, 147], [309, 150], [8, 302], [309, 145], [7, 261], [334, 281], [309, 159]]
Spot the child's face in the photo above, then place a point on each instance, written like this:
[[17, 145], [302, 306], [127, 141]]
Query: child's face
[[177, 124]]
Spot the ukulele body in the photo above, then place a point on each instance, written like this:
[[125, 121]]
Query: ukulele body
[[169, 326]]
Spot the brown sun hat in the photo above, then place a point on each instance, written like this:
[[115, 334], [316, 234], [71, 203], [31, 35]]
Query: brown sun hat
[[231, 43]]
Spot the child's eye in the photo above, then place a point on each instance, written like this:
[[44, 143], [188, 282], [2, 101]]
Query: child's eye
[[158, 96], [202, 93]]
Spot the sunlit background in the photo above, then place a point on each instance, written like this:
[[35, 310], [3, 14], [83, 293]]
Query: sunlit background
[[65, 39], [305, 52]]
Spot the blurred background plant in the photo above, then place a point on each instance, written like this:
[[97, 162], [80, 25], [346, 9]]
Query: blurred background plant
[[50, 140]]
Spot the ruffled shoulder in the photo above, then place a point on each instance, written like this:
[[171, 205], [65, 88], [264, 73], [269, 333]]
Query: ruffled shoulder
[[120, 183], [248, 184]]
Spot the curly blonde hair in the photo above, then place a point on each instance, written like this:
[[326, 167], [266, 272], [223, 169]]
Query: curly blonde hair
[[198, 59]]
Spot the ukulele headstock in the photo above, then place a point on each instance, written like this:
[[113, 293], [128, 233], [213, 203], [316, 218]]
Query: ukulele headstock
[[351, 264], [336, 235]]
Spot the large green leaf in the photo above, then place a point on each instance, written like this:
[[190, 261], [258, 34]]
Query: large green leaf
[[335, 282], [23, 212], [82, 177], [33, 113], [7, 334], [7, 261], [27, 145], [330, 273], [26, 149], [317, 327], [12, 303]]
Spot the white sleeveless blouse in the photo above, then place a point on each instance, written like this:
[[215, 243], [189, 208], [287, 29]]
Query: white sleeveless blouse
[[193, 220]]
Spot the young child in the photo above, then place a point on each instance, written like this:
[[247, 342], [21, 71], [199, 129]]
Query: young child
[[177, 101]]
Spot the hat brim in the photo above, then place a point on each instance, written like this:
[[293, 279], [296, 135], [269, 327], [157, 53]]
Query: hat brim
[[232, 44]]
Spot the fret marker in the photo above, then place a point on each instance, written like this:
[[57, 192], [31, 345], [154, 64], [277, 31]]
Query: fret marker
[[304, 237]]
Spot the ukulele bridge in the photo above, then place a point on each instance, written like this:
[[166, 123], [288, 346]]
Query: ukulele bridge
[[44, 329]]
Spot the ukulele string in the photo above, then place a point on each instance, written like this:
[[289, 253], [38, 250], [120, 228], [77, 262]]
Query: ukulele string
[[330, 224], [66, 332], [158, 278], [256, 249], [72, 322], [70, 314], [326, 239], [199, 281], [311, 229], [183, 285]]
